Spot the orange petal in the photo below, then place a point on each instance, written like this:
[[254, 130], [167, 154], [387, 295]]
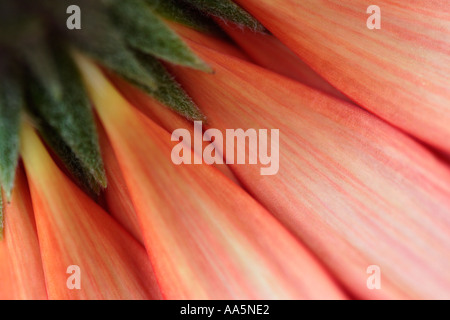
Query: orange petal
[[116, 195], [74, 231], [206, 237], [356, 190], [269, 52], [160, 114], [21, 258], [400, 72], [6, 285]]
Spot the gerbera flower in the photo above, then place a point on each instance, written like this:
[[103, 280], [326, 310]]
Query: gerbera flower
[[92, 112]]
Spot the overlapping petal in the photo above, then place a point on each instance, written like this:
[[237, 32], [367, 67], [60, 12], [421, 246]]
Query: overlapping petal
[[399, 72], [268, 52], [205, 236], [21, 275], [165, 117], [356, 190], [116, 196], [74, 231]]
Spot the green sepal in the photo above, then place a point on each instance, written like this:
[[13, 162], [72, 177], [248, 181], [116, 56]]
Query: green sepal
[[70, 118], [148, 33], [228, 11], [170, 92], [82, 176], [11, 103], [100, 39], [35, 51]]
